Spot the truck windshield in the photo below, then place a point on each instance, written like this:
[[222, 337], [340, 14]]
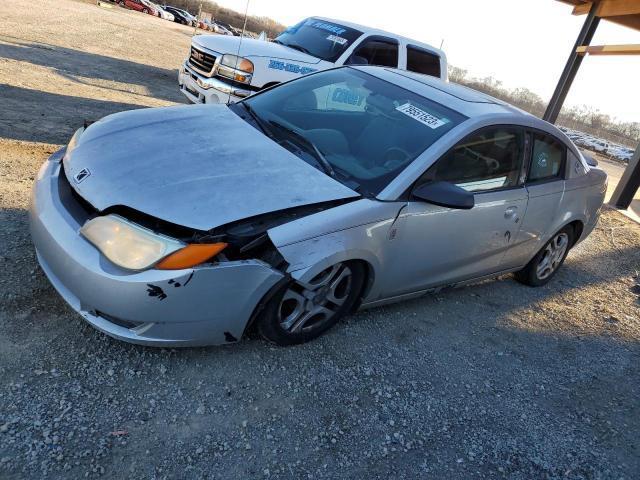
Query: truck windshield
[[358, 128], [322, 39]]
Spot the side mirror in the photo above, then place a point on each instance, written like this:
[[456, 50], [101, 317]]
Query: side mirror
[[445, 194], [592, 162]]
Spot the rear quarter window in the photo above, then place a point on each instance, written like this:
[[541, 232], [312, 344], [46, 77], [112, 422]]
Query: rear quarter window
[[422, 61], [547, 157]]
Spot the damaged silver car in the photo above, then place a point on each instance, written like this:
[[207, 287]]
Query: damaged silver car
[[344, 189]]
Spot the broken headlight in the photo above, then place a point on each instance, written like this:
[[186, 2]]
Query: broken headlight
[[133, 247]]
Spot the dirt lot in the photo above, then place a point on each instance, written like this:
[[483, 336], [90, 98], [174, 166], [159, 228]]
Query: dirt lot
[[496, 380]]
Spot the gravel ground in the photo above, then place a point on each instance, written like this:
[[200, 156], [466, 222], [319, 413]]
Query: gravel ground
[[496, 380], [83, 62]]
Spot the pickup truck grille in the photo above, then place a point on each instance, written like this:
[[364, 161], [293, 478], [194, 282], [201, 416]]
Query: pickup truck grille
[[201, 61]]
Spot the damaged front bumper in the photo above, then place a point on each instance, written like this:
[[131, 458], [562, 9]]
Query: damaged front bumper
[[207, 305]]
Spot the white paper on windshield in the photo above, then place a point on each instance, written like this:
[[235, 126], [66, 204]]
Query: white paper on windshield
[[423, 117], [337, 39]]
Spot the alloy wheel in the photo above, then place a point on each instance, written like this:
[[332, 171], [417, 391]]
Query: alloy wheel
[[305, 305], [552, 256]]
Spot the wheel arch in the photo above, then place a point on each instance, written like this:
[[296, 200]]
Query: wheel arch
[[578, 229]]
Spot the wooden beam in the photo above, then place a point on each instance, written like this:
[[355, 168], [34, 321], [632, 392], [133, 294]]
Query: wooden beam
[[610, 8], [609, 50], [582, 9]]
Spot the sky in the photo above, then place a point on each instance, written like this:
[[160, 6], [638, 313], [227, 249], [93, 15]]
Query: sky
[[522, 43]]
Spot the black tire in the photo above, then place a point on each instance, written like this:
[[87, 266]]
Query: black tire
[[271, 324], [121, 3], [145, 10], [535, 274]]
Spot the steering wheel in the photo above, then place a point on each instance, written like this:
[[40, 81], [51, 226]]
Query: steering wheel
[[394, 157], [492, 164]]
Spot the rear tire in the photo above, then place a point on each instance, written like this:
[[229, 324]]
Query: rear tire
[[543, 267], [300, 312]]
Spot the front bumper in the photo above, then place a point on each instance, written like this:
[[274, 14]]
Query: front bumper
[[200, 89], [207, 305]]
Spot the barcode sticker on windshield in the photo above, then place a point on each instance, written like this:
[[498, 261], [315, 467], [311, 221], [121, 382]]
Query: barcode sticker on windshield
[[336, 39], [421, 116]]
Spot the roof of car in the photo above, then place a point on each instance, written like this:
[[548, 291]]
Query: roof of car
[[467, 101], [376, 31]]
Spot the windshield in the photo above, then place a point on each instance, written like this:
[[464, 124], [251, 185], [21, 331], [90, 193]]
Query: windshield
[[325, 40], [366, 129]]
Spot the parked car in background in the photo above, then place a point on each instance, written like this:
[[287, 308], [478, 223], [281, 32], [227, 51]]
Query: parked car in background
[[221, 29], [182, 16], [600, 146], [621, 153], [139, 5], [226, 69], [162, 13], [298, 205]]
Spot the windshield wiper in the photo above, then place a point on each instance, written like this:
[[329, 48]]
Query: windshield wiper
[[300, 48], [259, 121], [324, 163]]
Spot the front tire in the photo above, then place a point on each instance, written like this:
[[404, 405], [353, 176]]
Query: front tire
[[543, 267], [300, 312]]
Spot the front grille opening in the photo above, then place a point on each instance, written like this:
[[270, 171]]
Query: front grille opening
[[202, 61], [77, 206]]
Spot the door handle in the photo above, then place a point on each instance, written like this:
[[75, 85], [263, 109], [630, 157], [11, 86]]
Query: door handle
[[511, 212]]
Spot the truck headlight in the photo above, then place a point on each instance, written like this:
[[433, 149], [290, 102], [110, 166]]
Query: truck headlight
[[236, 68], [133, 247]]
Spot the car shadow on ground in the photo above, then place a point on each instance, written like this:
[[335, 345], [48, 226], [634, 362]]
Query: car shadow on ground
[[36, 116], [79, 66]]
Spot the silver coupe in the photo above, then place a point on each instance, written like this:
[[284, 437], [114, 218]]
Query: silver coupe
[[344, 189]]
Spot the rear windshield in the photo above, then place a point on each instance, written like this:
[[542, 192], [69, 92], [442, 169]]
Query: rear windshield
[[325, 40], [368, 129]]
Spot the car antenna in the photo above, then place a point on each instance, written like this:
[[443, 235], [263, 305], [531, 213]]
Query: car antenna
[[244, 26]]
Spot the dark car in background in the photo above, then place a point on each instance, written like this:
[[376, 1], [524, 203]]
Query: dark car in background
[[180, 16]]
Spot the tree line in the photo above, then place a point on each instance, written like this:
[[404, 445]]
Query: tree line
[[583, 118], [226, 15]]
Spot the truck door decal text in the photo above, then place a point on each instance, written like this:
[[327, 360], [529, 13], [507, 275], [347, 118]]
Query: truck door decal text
[[289, 67]]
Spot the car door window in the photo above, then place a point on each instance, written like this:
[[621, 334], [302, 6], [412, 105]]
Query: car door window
[[422, 61], [488, 160], [547, 157], [376, 51]]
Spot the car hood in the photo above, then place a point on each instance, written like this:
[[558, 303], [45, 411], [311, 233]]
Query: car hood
[[198, 166], [251, 47]]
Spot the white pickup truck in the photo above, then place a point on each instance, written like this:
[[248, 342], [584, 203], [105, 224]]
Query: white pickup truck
[[224, 69]]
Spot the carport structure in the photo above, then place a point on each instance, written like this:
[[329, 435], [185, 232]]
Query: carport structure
[[622, 12]]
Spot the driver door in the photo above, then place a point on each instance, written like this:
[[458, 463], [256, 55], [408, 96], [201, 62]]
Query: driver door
[[436, 245]]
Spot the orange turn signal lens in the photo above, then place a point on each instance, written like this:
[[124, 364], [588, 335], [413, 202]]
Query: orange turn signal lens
[[191, 255]]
